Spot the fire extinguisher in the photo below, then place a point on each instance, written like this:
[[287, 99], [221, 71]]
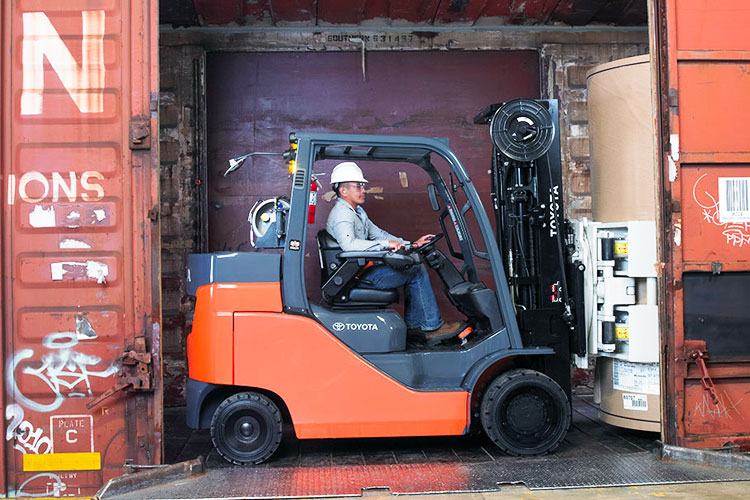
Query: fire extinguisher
[[314, 186]]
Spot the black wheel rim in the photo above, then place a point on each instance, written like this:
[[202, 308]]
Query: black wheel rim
[[529, 417], [245, 433]]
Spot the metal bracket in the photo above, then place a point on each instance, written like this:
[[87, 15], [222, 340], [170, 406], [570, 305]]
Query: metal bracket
[[136, 372], [140, 133], [699, 356]]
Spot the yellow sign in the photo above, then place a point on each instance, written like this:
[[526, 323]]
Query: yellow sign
[[622, 332], [61, 461], [621, 248]]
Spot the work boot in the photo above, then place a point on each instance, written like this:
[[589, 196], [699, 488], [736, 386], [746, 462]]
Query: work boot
[[448, 330]]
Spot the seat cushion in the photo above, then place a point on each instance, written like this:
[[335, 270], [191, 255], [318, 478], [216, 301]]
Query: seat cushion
[[386, 296]]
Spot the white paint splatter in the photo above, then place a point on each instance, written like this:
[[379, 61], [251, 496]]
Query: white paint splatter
[[100, 214], [42, 217], [96, 270], [672, 169], [674, 144], [73, 219], [71, 243]]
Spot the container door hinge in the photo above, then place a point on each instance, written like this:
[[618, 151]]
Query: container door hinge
[[136, 372], [140, 133], [699, 356]]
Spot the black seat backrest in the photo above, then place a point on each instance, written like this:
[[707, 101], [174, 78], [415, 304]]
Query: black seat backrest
[[329, 249]]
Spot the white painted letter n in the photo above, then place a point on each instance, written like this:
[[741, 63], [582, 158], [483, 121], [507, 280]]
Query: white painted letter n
[[84, 82]]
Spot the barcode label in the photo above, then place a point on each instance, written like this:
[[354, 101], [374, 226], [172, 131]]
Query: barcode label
[[734, 199], [635, 402], [635, 377]]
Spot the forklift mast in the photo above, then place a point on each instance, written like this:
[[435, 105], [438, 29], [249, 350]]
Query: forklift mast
[[545, 284]]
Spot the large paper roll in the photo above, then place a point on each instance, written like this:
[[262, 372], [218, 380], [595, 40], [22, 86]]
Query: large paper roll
[[621, 134]]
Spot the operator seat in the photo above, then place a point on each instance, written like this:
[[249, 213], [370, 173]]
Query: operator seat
[[342, 277]]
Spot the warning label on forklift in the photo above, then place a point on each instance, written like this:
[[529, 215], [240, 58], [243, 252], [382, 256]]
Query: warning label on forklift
[[635, 402], [635, 377]]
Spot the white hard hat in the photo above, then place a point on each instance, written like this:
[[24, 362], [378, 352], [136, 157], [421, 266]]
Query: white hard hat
[[347, 171]]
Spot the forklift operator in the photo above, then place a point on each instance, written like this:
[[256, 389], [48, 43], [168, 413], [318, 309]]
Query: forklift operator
[[354, 231]]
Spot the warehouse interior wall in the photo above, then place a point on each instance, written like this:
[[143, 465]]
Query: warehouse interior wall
[[564, 62]]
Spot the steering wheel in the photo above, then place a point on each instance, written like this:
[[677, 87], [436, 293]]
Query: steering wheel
[[427, 247]]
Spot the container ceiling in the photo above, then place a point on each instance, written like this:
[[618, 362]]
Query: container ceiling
[[374, 13]]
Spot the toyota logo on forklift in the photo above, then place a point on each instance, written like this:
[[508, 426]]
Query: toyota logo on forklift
[[339, 326]]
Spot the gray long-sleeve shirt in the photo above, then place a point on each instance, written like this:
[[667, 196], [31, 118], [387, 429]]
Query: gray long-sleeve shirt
[[355, 231]]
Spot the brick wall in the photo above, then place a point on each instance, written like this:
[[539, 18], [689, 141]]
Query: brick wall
[[564, 68], [180, 195]]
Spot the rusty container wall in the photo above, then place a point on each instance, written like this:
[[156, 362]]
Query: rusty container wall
[[78, 246], [706, 220]]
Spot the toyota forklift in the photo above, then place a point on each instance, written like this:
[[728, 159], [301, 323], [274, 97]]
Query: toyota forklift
[[261, 354]]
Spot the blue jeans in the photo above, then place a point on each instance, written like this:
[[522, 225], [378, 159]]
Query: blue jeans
[[421, 310]]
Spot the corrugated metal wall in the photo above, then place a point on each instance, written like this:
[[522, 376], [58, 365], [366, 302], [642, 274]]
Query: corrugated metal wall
[[80, 217]]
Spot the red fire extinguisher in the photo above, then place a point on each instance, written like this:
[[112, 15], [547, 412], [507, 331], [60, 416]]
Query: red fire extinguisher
[[314, 186]]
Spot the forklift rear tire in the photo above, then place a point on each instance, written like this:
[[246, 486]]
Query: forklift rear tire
[[525, 412], [246, 428]]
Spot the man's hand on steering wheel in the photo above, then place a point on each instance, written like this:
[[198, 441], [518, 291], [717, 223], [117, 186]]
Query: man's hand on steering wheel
[[426, 247], [423, 240]]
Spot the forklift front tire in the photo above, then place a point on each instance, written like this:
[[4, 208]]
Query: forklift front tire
[[525, 412], [246, 428]]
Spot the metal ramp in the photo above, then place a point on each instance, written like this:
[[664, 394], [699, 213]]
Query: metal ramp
[[593, 454]]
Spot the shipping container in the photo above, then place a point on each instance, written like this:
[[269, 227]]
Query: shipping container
[[705, 218], [80, 244]]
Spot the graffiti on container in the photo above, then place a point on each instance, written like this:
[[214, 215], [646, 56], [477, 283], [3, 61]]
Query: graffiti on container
[[720, 410], [28, 439], [54, 486], [737, 234], [65, 371], [35, 186]]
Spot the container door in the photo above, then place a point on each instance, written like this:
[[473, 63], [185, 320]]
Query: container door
[[79, 244], [706, 221]]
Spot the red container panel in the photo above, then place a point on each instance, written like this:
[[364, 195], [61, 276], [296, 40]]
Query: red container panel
[[706, 237], [705, 25], [77, 243]]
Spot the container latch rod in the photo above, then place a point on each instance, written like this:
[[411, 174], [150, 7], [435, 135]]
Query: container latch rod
[[135, 373], [708, 385]]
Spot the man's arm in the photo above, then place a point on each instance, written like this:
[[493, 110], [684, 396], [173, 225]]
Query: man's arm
[[375, 233], [343, 231]]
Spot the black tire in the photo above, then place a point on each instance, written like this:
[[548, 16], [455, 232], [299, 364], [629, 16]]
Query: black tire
[[525, 412], [246, 428]]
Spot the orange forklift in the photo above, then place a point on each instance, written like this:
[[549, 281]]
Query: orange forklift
[[261, 354]]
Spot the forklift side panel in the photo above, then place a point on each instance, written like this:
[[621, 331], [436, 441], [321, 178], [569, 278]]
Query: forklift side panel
[[363, 331], [209, 345], [330, 391], [232, 267]]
